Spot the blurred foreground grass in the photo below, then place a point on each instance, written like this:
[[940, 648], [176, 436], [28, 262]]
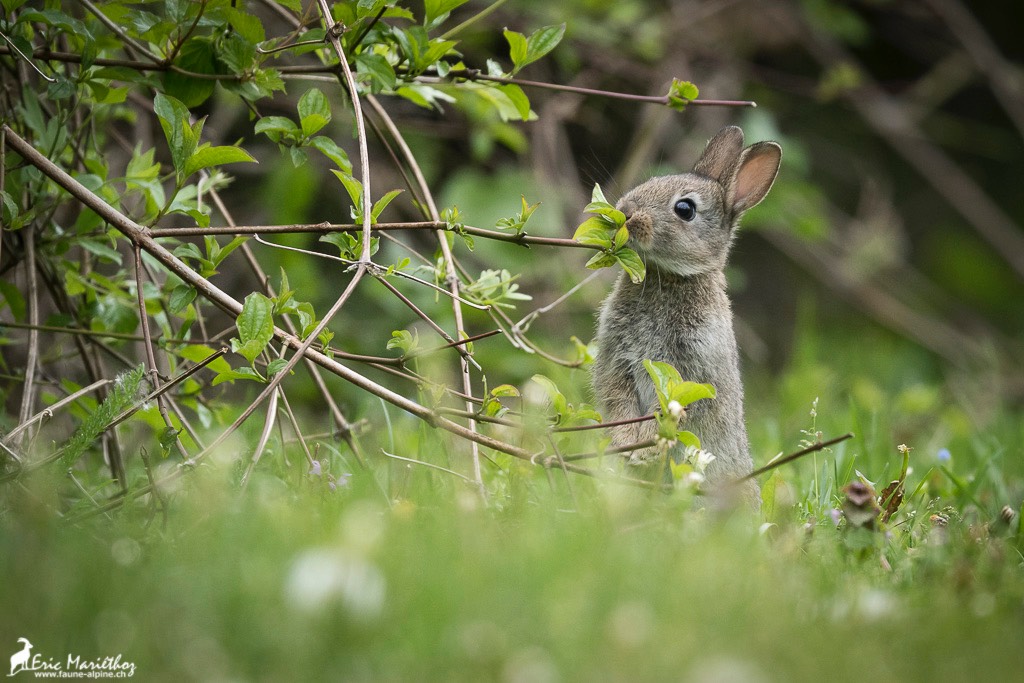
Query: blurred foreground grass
[[290, 580]]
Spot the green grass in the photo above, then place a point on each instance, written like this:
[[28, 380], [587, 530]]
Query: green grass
[[287, 580]]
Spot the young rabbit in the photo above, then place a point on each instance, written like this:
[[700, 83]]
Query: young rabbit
[[682, 226]]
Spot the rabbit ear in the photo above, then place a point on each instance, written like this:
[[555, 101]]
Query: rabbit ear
[[754, 175], [721, 154]]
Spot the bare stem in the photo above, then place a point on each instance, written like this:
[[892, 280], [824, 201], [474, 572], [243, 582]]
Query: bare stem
[[813, 448], [323, 228]]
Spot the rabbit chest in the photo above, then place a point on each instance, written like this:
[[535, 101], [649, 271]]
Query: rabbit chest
[[687, 322]]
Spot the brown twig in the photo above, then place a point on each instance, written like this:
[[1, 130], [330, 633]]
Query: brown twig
[[334, 31], [323, 228], [153, 372], [32, 358], [813, 448], [476, 75]]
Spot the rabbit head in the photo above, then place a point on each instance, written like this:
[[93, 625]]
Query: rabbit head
[[684, 224]]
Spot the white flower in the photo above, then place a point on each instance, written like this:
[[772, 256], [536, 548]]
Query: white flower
[[698, 458], [675, 409]]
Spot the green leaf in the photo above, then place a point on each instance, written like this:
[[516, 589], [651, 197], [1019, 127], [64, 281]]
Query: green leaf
[[436, 9], [13, 298], [681, 93], [664, 375], [542, 41], [597, 231], [601, 260], [608, 211], [687, 439], [99, 249], [597, 195], [197, 56], [330, 149], [353, 187], [377, 69], [207, 156], [275, 124], [621, 237], [181, 297], [688, 392], [382, 204], [404, 341], [519, 99], [504, 390], [197, 353], [314, 111], [239, 373], [181, 138], [275, 366], [632, 264], [517, 49], [247, 25], [558, 401], [255, 326]]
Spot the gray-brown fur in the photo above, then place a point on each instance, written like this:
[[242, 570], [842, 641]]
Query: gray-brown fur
[[681, 314]]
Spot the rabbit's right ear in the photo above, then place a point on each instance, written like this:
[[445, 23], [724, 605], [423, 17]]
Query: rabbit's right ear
[[721, 154], [758, 166]]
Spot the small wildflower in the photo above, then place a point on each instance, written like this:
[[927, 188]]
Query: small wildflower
[[859, 507], [904, 449], [836, 516], [676, 410], [943, 455], [698, 458], [315, 469]]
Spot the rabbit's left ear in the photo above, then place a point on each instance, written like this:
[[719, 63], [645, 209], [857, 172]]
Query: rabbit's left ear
[[758, 165]]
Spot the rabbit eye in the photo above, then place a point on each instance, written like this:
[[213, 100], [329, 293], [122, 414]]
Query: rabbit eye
[[685, 209]]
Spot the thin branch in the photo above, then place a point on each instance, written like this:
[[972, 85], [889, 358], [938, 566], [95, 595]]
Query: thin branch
[[268, 426], [28, 60], [319, 228], [154, 372], [426, 318], [525, 322], [476, 75], [604, 425], [628, 448], [456, 342], [334, 31], [32, 359], [47, 412], [376, 269], [813, 448]]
